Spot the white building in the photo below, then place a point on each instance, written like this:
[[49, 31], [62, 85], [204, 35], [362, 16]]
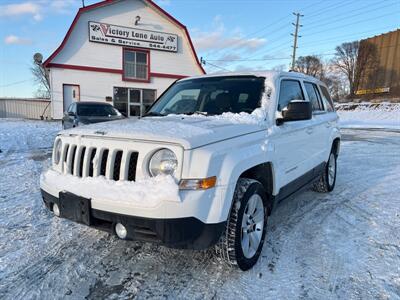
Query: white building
[[126, 52]]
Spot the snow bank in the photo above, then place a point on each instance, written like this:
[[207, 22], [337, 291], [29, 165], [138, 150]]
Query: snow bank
[[369, 115], [147, 192], [21, 135]]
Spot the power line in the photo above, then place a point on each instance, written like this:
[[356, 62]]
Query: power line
[[256, 59], [277, 21], [318, 12], [343, 17], [15, 83], [330, 7], [358, 22], [215, 66]]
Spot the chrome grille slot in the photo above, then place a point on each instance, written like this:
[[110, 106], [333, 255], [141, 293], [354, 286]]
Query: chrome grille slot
[[65, 154], [71, 159], [63, 158], [133, 157], [103, 162], [81, 160], [91, 157], [117, 165]]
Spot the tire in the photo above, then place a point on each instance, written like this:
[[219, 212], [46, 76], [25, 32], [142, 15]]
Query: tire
[[326, 182], [244, 228]]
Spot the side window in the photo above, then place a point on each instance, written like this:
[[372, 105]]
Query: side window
[[314, 96], [289, 90], [326, 98]]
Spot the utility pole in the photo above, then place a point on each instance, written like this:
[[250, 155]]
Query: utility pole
[[296, 35], [83, 3]]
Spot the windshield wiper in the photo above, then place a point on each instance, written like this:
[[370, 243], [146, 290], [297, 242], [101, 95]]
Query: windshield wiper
[[204, 113], [154, 114]]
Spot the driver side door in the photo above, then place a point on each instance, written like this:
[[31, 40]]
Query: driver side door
[[293, 140]]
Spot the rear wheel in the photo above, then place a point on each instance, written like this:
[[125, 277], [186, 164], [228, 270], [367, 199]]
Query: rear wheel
[[243, 240], [326, 183]]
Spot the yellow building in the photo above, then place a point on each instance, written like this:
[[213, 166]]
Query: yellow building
[[382, 78]]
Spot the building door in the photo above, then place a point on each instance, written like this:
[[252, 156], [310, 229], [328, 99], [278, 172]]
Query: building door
[[71, 94]]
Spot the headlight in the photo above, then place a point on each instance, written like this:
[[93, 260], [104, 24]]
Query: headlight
[[164, 161], [57, 151]]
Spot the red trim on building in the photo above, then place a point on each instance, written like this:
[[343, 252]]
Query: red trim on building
[[84, 68], [123, 64], [164, 75], [107, 2], [112, 71], [78, 14]]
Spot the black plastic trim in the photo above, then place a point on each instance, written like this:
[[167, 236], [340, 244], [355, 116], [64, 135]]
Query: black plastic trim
[[301, 182], [183, 233]]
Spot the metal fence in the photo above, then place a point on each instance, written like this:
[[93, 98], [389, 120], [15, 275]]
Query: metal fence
[[25, 108]]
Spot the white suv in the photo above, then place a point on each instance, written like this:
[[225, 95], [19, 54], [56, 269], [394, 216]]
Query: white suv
[[204, 166]]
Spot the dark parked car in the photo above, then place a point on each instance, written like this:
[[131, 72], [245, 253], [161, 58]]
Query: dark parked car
[[82, 113]]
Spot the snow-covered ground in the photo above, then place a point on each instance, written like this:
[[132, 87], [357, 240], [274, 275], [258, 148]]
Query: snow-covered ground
[[369, 115], [319, 246]]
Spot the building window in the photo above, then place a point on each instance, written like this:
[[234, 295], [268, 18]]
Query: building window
[[133, 101], [136, 64]]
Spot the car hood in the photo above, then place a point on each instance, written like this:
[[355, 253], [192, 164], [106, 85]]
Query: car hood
[[89, 120], [189, 131]]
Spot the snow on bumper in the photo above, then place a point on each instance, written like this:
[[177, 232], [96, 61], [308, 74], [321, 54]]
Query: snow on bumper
[[157, 197]]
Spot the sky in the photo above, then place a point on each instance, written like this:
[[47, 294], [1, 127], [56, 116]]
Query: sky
[[230, 35]]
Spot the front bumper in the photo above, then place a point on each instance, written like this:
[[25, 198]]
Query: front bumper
[[185, 232]]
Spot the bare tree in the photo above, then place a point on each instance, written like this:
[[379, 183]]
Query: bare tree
[[310, 65], [353, 59], [41, 78]]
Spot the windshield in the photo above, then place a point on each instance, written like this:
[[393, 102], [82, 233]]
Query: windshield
[[96, 110], [211, 96]]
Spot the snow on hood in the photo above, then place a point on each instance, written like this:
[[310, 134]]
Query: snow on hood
[[190, 131], [153, 190]]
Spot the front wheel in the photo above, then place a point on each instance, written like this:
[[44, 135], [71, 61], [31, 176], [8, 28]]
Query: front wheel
[[243, 240], [326, 183]]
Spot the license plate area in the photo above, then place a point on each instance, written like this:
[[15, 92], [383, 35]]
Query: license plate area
[[75, 208]]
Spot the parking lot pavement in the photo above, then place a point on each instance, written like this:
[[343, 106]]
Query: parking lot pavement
[[343, 244]]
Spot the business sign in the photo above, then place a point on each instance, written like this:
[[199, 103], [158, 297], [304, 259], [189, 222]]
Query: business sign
[[373, 91], [132, 37]]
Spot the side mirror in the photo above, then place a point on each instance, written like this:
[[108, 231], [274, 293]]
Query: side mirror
[[297, 110], [71, 114]]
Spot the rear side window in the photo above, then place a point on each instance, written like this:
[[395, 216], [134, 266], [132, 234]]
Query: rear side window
[[289, 90], [313, 95], [326, 98]]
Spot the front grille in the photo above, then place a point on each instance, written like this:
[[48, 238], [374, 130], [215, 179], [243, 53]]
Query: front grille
[[85, 161]]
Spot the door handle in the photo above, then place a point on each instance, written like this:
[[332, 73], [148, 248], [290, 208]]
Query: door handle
[[309, 130]]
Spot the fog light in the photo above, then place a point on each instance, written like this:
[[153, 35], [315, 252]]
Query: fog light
[[56, 210], [121, 231]]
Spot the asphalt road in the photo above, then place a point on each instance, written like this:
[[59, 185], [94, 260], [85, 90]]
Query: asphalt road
[[344, 244]]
